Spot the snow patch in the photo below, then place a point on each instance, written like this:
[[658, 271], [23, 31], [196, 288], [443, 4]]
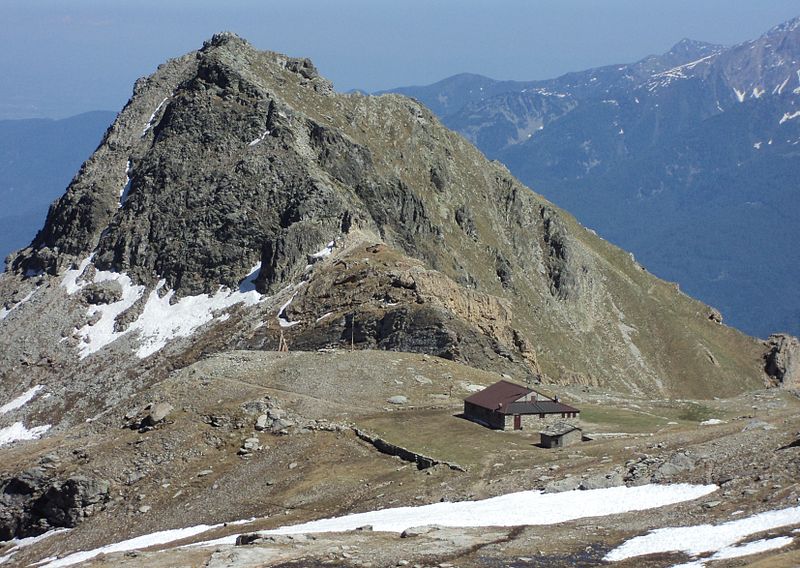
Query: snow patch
[[789, 116], [144, 541], [712, 422], [282, 321], [739, 94], [757, 145], [150, 122], [326, 251], [123, 193], [18, 544], [260, 138], [5, 311], [779, 88], [323, 316], [513, 509], [758, 92], [160, 320], [17, 431], [21, 400], [699, 539]]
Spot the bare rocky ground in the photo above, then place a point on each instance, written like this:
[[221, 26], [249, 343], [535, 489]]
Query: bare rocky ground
[[270, 435]]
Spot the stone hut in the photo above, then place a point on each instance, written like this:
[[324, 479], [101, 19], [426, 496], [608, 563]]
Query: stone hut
[[560, 434], [506, 405]]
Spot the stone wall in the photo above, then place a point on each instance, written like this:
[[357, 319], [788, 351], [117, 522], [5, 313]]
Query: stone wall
[[536, 422]]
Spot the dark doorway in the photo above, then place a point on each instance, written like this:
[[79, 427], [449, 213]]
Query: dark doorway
[[517, 422]]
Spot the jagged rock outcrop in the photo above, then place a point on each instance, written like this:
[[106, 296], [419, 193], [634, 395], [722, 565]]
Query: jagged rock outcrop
[[782, 360], [34, 502]]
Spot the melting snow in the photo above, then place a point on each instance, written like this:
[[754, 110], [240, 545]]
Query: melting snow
[[123, 193], [5, 311], [160, 320], [323, 316], [282, 321], [514, 509], [161, 537], [18, 431], [789, 116], [149, 124], [739, 94], [326, 251], [21, 400], [712, 422], [757, 145], [17, 544], [699, 539], [779, 89], [664, 78], [260, 138], [758, 92]]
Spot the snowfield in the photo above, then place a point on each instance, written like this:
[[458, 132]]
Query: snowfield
[[514, 509], [701, 539]]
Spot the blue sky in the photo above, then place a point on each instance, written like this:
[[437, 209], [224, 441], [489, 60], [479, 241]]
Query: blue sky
[[62, 57]]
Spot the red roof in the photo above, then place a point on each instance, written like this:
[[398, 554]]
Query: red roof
[[498, 395], [502, 397]]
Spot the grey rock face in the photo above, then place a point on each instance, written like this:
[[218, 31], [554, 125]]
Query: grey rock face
[[33, 502], [782, 360]]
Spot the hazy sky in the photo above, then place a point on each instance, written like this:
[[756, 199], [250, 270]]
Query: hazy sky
[[62, 57]]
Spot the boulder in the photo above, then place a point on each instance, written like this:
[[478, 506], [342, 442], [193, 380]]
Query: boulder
[[263, 422], [158, 413], [566, 484], [411, 532], [602, 481], [398, 399], [106, 292], [677, 463]]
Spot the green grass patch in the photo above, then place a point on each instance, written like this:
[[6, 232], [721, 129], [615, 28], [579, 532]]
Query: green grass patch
[[443, 436], [609, 419]]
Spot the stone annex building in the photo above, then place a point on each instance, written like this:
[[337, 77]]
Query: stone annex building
[[505, 405]]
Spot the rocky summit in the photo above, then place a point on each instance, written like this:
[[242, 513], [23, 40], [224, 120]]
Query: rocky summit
[[256, 284]]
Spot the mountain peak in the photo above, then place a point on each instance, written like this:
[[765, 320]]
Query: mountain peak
[[693, 48], [788, 26], [224, 38]]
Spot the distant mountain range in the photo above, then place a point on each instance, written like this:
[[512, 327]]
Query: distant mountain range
[[38, 157], [689, 159]]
